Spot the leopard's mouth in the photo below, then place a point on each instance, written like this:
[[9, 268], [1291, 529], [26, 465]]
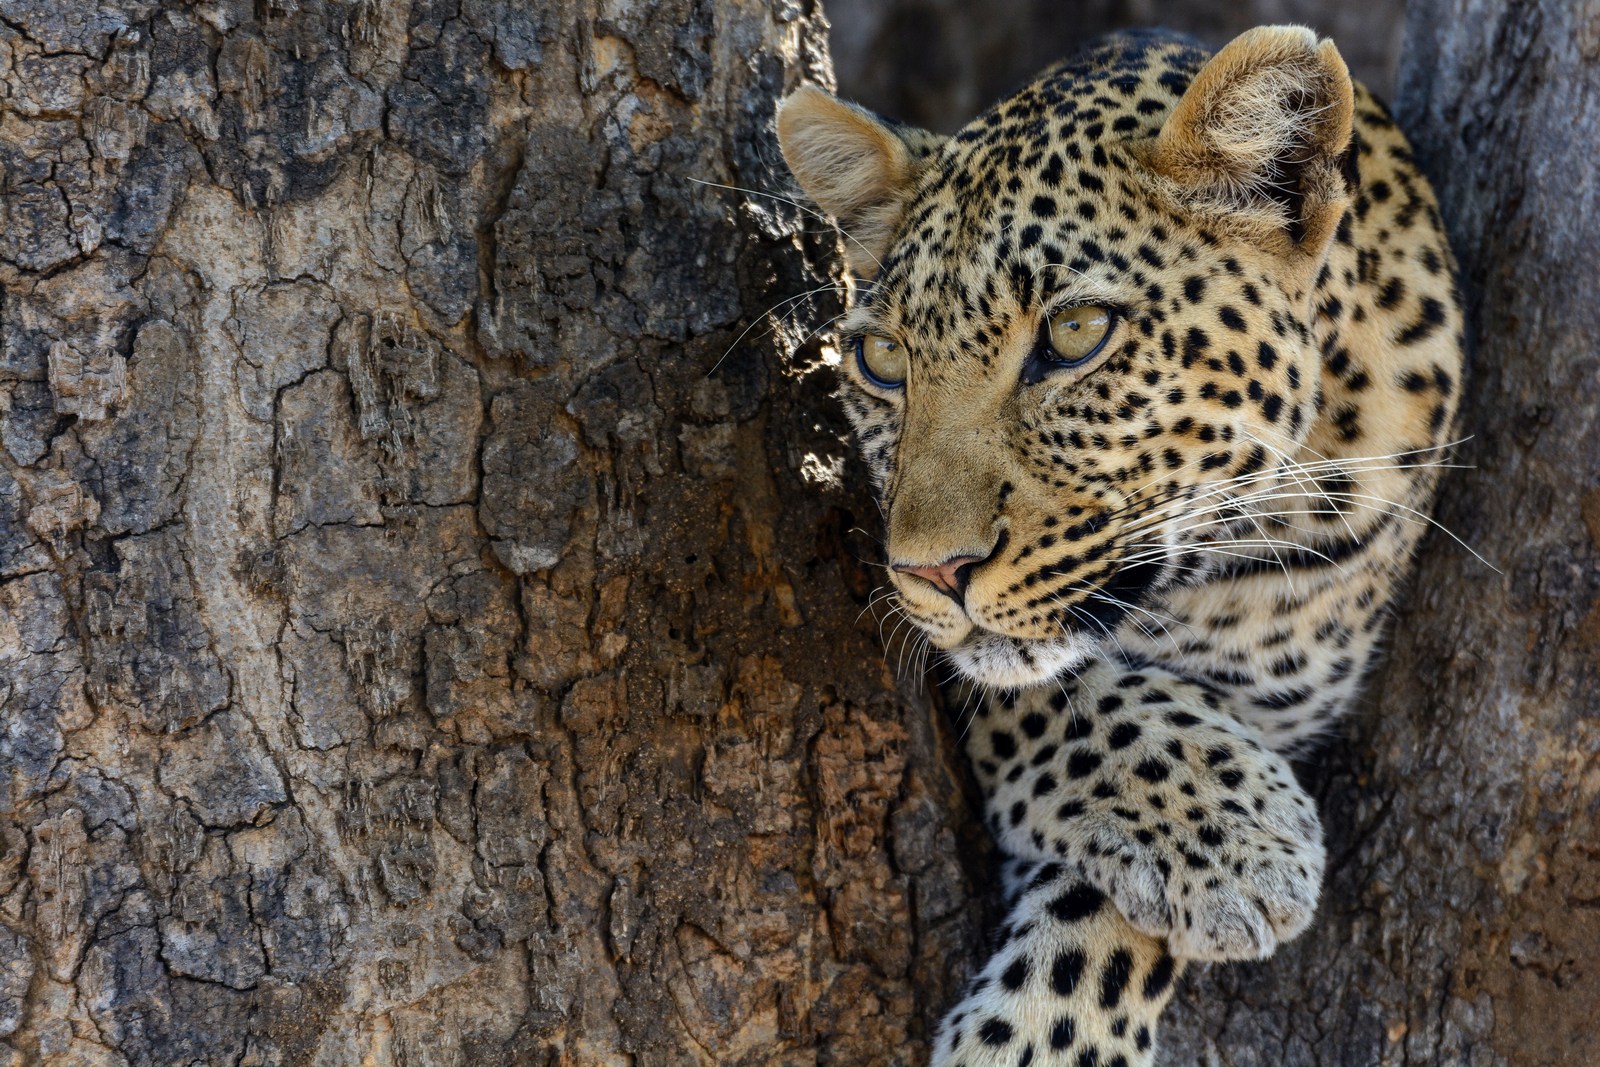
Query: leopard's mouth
[[1000, 660], [1106, 606]]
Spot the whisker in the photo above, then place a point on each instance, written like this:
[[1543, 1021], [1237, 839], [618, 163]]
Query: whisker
[[766, 316], [813, 212]]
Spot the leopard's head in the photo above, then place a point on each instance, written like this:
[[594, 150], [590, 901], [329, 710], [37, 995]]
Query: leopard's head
[[1080, 325]]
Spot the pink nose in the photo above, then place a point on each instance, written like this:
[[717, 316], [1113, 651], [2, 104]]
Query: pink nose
[[950, 577]]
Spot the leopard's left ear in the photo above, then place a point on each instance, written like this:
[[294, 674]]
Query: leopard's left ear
[[1262, 140]]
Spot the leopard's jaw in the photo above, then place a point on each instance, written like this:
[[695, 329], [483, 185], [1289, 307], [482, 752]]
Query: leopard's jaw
[[996, 661]]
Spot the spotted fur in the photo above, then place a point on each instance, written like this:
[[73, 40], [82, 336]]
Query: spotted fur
[[1179, 556]]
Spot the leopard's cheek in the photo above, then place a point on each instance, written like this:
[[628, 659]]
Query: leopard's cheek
[[876, 425], [949, 633]]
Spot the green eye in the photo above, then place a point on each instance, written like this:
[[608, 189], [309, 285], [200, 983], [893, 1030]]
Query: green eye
[[881, 360], [1076, 334]]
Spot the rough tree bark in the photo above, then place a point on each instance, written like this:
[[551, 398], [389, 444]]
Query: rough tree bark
[[410, 651], [415, 647]]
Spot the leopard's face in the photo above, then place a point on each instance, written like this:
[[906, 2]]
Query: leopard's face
[[1062, 374]]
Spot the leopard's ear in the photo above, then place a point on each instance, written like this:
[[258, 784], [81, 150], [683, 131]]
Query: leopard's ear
[[859, 169], [1262, 139]]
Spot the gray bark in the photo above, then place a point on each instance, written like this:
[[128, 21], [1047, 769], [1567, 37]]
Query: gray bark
[[415, 647]]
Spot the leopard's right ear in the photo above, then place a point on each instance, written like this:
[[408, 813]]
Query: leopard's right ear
[[859, 169]]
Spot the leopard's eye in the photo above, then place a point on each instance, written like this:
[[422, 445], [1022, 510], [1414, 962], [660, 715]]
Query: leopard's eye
[[882, 360], [1076, 334]]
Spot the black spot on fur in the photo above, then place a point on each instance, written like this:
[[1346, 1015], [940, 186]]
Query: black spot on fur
[[1065, 972], [1077, 903]]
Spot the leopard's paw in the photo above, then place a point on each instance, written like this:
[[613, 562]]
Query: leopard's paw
[[1198, 835], [1220, 878], [1226, 909]]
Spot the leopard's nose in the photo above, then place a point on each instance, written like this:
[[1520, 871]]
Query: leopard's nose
[[950, 577]]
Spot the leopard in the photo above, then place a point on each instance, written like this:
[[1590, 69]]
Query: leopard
[[1153, 368]]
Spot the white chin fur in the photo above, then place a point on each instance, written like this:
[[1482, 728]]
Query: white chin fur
[[1004, 663]]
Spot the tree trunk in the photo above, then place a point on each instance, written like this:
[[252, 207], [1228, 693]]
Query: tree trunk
[[431, 631], [1461, 924], [412, 649]]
